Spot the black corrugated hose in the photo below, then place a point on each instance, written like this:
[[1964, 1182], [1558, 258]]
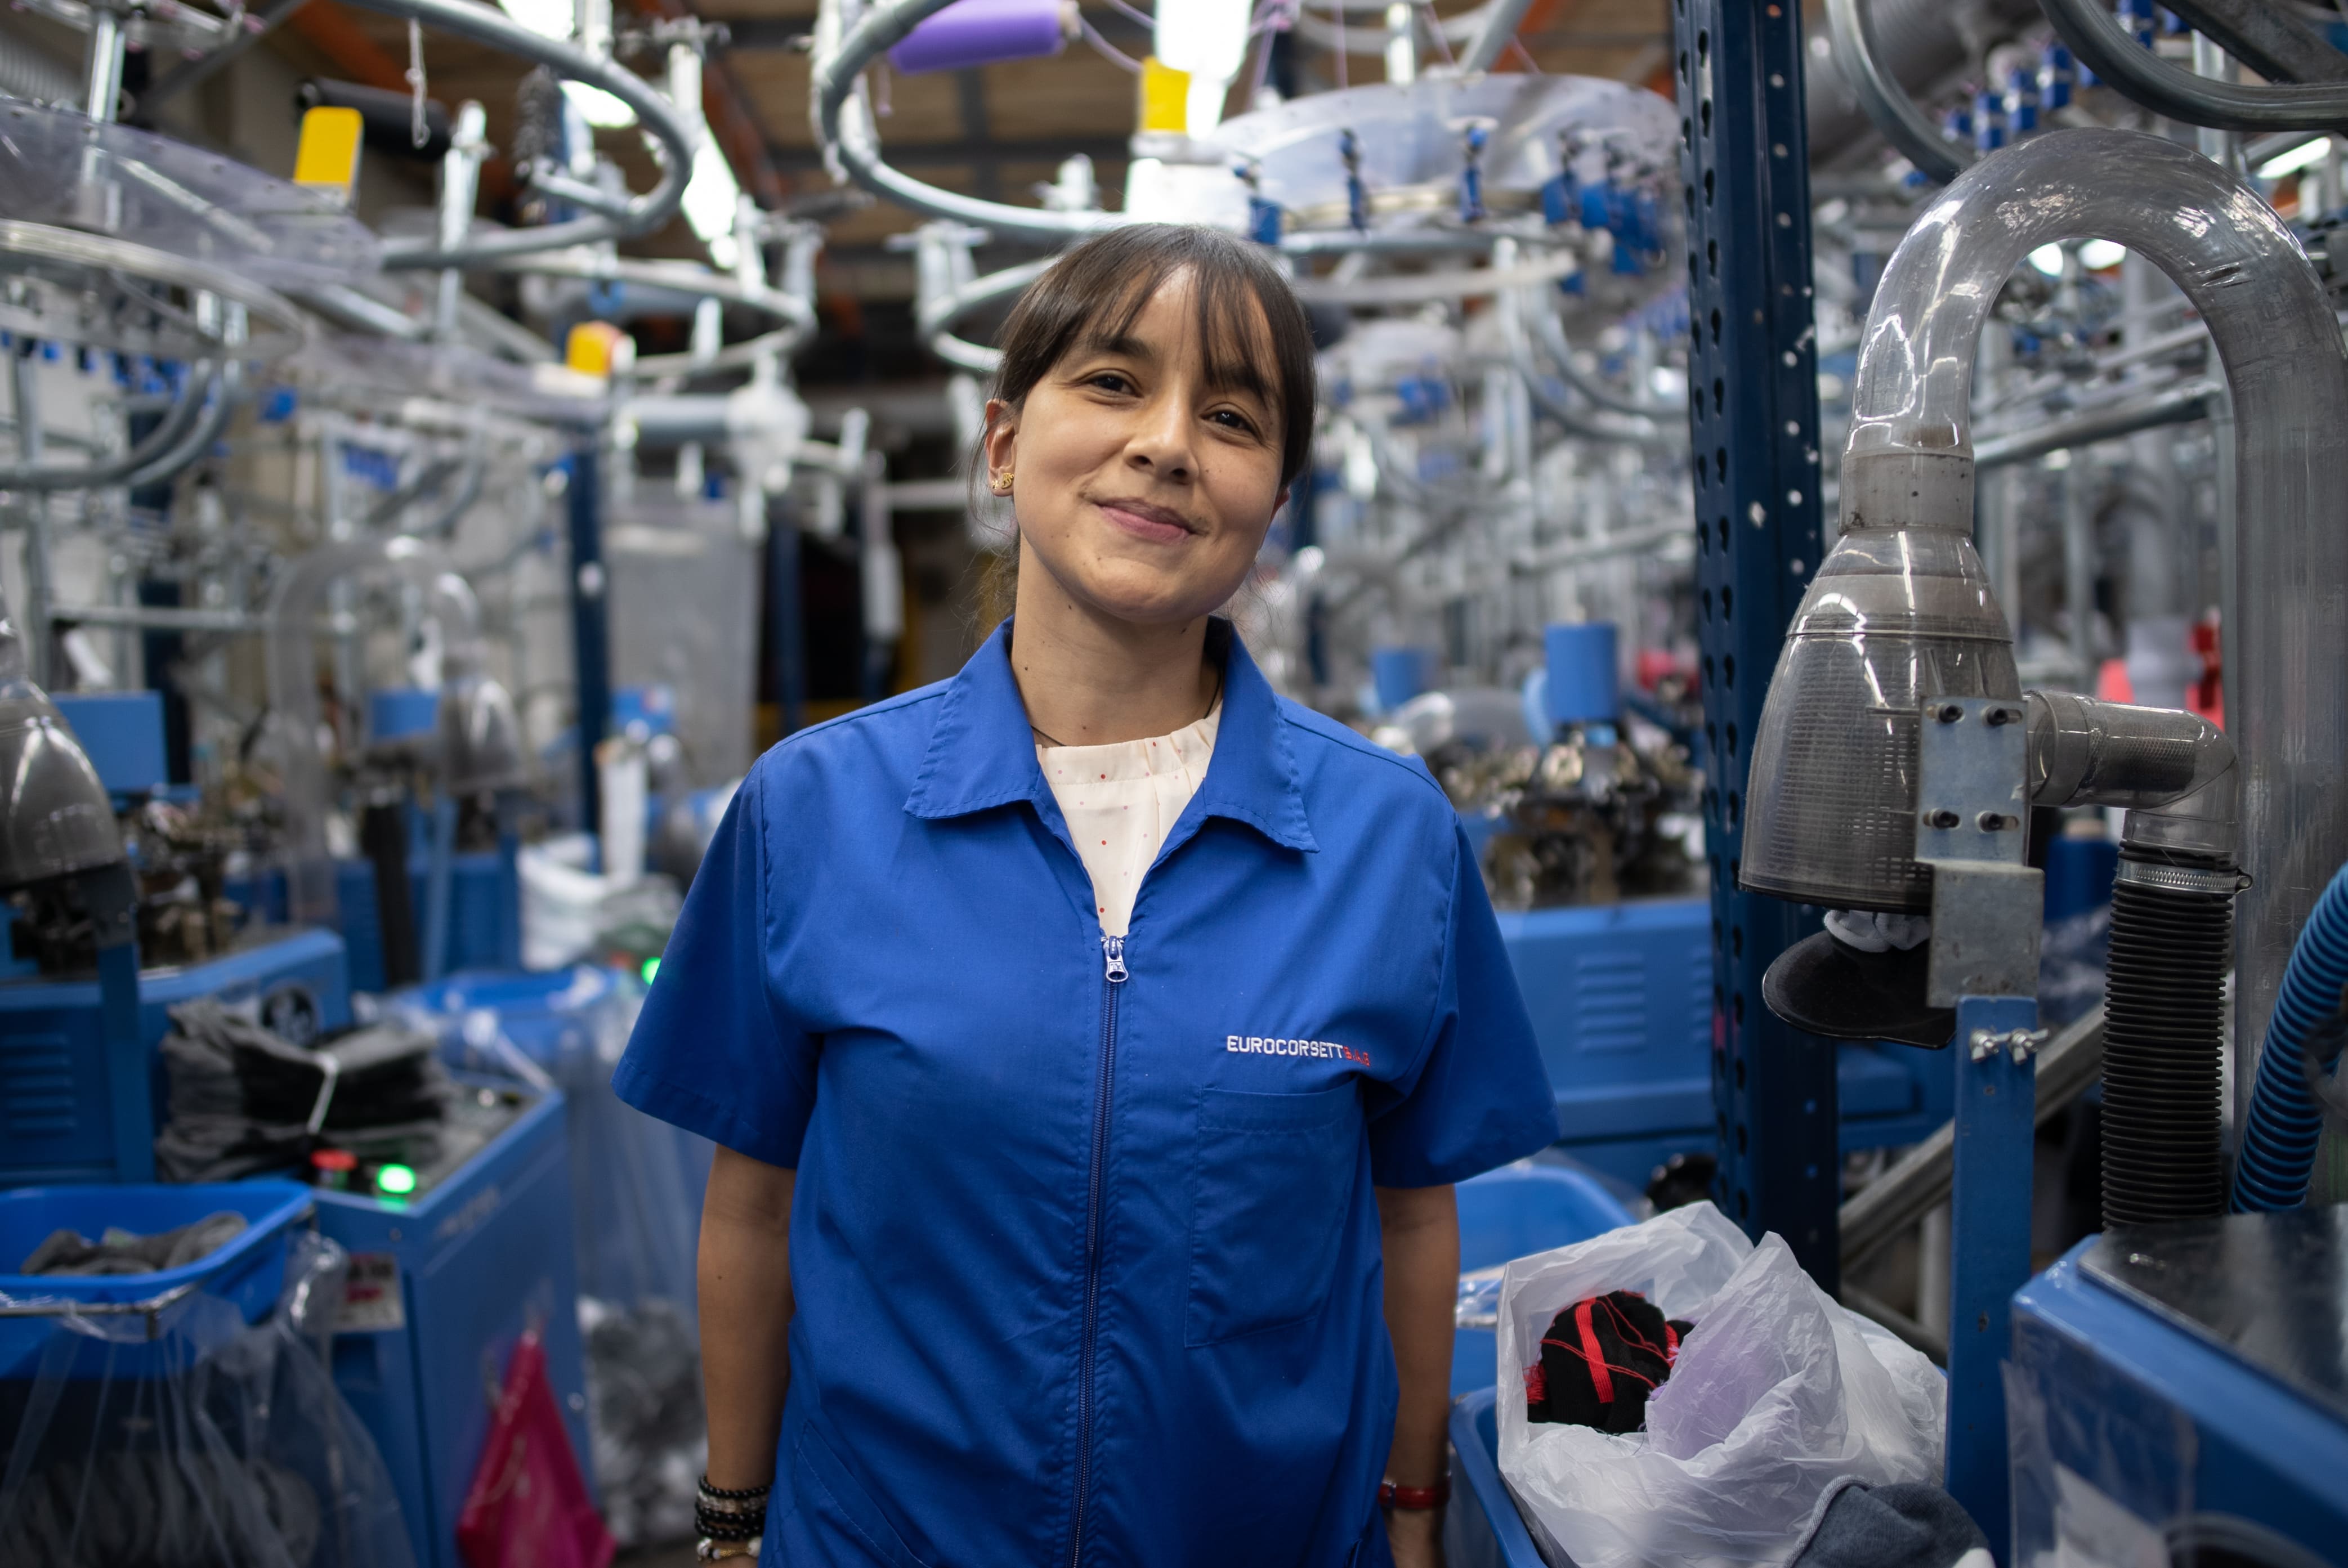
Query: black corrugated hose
[[2163, 1016]]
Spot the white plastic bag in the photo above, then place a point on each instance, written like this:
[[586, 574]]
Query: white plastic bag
[[1778, 1392]]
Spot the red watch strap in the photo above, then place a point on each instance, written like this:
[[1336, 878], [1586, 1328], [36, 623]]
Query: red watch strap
[[1414, 1499]]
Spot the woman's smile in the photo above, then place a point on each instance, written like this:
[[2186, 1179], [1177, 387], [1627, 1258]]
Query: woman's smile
[[1143, 520]]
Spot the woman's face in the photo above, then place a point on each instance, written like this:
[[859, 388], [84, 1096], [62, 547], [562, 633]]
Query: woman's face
[[1143, 491]]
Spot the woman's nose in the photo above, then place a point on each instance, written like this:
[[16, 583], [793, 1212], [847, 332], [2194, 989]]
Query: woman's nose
[[1160, 440]]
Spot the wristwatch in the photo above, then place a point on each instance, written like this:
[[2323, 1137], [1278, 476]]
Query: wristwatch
[[1414, 1499]]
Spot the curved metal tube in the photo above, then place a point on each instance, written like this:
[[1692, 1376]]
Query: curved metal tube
[[641, 215], [1552, 334], [843, 125], [1493, 35], [161, 442], [1887, 103], [2103, 45], [1644, 432], [684, 277], [936, 318], [228, 387], [1910, 457], [744, 355]]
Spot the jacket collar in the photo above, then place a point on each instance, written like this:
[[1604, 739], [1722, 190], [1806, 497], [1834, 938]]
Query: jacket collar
[[982, 753]]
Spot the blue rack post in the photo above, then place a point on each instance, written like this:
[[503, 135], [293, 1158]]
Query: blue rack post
[[591, 629], [1753, 415], [1997, 1098]]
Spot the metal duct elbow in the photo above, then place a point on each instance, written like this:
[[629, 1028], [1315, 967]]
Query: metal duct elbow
[[2176, 774], [1907, 482]]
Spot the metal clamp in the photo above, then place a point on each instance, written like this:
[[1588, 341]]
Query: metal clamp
[[1972, 789], [2021, 1044]]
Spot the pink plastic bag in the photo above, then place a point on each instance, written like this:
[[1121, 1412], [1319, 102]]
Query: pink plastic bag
[[529, 1507]]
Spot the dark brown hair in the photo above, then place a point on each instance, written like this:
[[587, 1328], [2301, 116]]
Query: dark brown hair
[[1097, 290]]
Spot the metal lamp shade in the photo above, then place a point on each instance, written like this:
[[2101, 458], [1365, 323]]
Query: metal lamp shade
[[55, 816], [1895, 615]]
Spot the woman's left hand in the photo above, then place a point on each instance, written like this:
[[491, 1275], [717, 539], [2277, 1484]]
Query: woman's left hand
[[1417, 1536]]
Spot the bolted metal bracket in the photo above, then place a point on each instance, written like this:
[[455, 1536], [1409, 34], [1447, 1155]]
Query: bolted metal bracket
[[2021, 1044], [1972, 802]]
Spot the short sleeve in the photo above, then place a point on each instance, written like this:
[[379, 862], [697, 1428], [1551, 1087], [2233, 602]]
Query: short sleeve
[[1480, 1096], [712, 1051]]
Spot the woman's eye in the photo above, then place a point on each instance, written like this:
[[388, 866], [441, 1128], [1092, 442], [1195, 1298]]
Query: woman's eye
[[1232, 419], [1111, 381]]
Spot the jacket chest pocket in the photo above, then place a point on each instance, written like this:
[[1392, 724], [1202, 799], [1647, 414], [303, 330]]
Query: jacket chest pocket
[[1269, 1182]]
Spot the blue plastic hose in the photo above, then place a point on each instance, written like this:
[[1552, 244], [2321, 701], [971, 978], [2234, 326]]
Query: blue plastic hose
[[2280, 1136]]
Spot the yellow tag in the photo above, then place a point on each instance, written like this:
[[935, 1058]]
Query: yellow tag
[[589, 348], [1165, 97], [328, 158]]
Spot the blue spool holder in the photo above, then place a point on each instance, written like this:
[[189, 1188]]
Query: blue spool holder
[[1580, 660], [1400, 673]]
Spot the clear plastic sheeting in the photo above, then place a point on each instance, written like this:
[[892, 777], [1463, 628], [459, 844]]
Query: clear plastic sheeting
[[60, 167], [192, 1438], [1776, 1393], [636, 1186], [683, 607]]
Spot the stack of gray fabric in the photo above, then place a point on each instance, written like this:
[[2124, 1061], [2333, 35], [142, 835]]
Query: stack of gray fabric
[[245, 1100]]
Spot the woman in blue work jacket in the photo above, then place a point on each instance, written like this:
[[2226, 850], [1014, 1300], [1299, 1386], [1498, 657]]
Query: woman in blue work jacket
[[1057, 1220]]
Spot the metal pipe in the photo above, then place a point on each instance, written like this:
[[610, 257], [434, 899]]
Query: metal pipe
[[164, 439], [1501, 19], [1910, 460], [2166, 88], [226, 390], [1549, 332], [258, 24], [1904, 126], [659, 117]]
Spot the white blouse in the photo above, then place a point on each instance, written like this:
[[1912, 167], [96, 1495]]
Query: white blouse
[[1121, 800]]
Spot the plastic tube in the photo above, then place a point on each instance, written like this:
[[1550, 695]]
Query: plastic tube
[[2280, 1136], [2169, 89], [982, 33], [1910, 458]]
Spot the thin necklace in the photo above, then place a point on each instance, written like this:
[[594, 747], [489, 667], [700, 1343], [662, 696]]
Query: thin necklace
[[1212, 698]]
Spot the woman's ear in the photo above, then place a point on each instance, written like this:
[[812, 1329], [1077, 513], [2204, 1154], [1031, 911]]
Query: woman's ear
[[1001, 440], [1280, 501]]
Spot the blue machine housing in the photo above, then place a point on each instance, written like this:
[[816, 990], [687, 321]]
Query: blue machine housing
[[1622, 1002], [457, 1275], [56, 1095], [2136, 1426]]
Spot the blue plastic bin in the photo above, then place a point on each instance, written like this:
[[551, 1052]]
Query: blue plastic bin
[[1490, 1529], [547, 1015], [1513, 1212], [248, 1272]]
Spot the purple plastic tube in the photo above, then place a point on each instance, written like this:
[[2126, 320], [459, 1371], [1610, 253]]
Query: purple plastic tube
[[982, 33]]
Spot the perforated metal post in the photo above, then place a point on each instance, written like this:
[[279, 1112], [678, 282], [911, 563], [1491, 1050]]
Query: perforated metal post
[[1752, 408], [591, 635]]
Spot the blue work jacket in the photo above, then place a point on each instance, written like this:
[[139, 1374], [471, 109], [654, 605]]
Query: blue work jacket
[[1084, 1249]]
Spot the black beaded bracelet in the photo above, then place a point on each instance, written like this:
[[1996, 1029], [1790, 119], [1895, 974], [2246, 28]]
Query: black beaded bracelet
[[730, 1526], [748, 1494]]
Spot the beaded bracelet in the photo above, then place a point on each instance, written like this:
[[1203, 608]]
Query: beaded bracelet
[[748, 1494]]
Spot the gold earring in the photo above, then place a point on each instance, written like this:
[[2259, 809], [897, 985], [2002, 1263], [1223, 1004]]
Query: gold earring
[[1003, 483]]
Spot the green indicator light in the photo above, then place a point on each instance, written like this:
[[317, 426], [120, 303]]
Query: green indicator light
[[398, 1180], [651, 968]]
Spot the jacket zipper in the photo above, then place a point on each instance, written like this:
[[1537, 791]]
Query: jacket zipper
[[1113, 974]]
